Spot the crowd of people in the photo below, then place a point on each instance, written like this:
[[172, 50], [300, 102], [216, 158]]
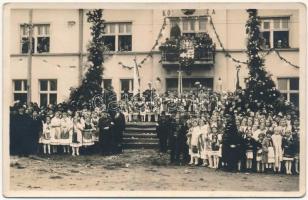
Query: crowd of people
[[192, 127], [196, 135], [58, 129]]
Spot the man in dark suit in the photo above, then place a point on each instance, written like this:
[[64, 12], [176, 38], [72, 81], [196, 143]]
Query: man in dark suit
[[162, 132], [105, 135], [117, 132], [21, 129]]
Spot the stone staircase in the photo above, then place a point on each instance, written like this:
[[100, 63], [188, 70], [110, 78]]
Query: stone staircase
[[140, 135]]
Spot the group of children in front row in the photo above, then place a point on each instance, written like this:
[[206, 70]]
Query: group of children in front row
[[69, 131], [269, 141]]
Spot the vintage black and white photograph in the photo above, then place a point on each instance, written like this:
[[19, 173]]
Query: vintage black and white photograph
[[149, 99]]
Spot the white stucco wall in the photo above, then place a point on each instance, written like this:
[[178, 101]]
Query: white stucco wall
[[64, 47]]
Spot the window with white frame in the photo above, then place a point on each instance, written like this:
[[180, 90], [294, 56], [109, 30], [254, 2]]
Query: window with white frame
[[289, 88], [189, 25], [48, 92], [20, 91], [118, 36], [275, 32], [40, 39]]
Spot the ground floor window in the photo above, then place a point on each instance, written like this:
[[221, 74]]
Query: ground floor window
[[127, 85], [289, 88], [48, 92], [188, 83], [107, 83], [20, 91]]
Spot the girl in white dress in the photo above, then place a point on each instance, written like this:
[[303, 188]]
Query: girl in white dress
[[194, 152], [66, 128], [277, 144], [76, 135], [55, 131], [46, 138]]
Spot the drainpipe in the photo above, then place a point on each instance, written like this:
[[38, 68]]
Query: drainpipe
[[30, 28], [80, 48]]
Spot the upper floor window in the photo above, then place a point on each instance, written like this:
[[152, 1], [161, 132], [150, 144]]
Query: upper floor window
[[40, 38], [189, 25], [275, 32], [118, 36]]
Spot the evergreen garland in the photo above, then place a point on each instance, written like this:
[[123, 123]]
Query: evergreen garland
[[91, 83]]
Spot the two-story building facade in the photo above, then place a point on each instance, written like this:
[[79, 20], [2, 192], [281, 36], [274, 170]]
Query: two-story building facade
[[60, 38]]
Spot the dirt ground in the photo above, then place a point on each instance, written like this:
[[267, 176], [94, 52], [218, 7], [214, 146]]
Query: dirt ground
[[134, 170]]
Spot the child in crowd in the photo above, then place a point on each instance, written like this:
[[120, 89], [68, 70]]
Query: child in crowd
[[267, 151], [215, 139], [288, 151], [46, 137], [277, 143], [66, 127], [295, 137], [194, 144], [250, 145], [89, 128], [76, 135], [260, 166], [94, 120], [55, 131], [204, 128]]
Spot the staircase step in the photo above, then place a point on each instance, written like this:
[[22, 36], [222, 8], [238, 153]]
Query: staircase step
[[140, 135], [140, 145], [140, 131], [140, 140], [140, 124]]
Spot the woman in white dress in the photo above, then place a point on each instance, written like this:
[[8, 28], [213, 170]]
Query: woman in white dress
[[66, 128], [55, 131]]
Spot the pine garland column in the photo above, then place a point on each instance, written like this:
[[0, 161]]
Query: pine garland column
[[261, 91], [91, 83]]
